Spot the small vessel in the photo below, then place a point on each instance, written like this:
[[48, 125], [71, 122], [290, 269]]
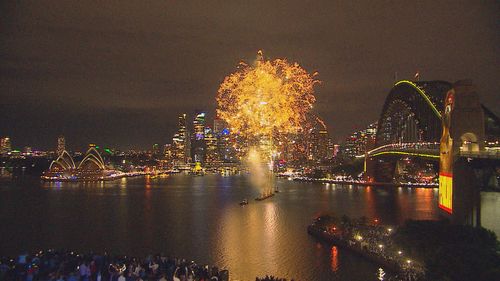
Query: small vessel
[[244, 202], [276, 190], [264, 196]]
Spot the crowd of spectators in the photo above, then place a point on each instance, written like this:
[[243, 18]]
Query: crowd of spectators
[[54, 265], [271, 278]]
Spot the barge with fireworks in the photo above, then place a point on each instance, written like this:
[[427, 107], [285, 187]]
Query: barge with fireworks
[[264, 196]]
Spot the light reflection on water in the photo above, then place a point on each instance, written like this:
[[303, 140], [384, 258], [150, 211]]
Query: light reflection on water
[[199, 218], [335, 259]]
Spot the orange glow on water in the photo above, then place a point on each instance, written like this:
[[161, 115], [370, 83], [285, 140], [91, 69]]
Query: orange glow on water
[[335, 259]]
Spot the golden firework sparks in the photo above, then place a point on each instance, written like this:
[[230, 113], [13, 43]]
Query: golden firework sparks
[[266, 98]]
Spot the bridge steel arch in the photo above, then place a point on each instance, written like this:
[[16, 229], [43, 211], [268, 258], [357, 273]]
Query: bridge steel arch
[[411, 113]]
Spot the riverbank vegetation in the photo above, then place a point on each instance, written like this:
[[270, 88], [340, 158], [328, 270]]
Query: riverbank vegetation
[[451, 252]]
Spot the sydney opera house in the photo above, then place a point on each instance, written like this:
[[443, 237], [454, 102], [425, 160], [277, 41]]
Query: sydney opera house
[[91, 167]]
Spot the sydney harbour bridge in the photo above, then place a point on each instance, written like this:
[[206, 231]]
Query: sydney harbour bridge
[[411, 125], [444, 123]]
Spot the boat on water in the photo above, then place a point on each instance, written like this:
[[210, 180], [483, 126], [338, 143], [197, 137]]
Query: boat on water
[[264, 196], [244, 202], [276, 190]]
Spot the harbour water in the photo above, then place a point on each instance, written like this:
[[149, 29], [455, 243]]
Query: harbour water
[[200, 218]]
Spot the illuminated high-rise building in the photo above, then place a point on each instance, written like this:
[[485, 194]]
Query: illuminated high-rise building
[[359, 142], [5, 146], [156, 149], [219, 125], [199, 126], [61, 145], [330, 153], [167, 151], [318, 142], [226, 143], [212, 154], [198, 139], [181, 145], [322, 146], [336, 149]]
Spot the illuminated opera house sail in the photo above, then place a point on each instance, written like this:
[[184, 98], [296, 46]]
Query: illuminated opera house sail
[[91, 167]]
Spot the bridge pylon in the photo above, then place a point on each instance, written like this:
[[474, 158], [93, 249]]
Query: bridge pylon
[[463, 131]]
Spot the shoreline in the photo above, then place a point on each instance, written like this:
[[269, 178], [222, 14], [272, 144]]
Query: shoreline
[[355, 241], [112, 178], [325, 237], [304, 179]]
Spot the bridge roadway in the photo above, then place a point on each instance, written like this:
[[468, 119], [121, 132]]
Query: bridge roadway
[[428, 150], [421, 149]]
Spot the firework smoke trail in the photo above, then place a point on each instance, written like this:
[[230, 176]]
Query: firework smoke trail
[[264, 100]]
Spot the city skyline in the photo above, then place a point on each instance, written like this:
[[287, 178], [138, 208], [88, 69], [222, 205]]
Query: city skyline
[[249, 140], [120, 74]]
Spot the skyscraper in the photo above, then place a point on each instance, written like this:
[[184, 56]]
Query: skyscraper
[[225, 151], [199, 126], [359, 142], [198, 139], [61, 144], [181, 145], [219, 126], [212, 154], [156, 149], [322, 147], [318, 142], [167, 151]]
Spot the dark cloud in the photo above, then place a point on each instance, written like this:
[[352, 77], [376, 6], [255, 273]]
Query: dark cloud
[[118, 72]]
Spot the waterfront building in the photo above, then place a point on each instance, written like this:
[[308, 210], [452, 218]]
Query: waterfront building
[[5, 146], [91, 167], [61, 145], [27, 150]]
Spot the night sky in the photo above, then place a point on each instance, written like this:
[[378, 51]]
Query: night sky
[[117, 73]]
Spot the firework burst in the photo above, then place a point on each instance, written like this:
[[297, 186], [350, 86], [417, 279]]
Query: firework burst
[[266, 98]]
